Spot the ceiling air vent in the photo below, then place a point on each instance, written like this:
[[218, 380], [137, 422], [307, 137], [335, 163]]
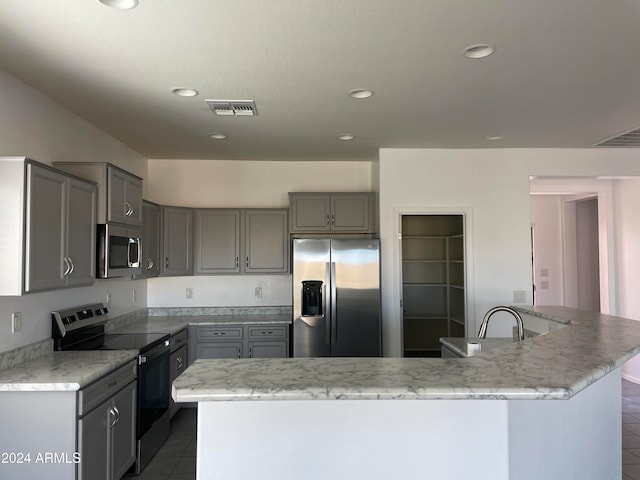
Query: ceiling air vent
[[239, 108], [629, 139]]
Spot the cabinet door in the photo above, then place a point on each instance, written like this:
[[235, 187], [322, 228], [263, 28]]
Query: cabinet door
[[46, 229], [266, 241], [310, 212], [117, 196], [177, 242], [219, 350], [268, 349], [350, 212], [133, 200], [218, 241], [81, 233], [150, 240], [123, 432], [94, 443], [178, 364]]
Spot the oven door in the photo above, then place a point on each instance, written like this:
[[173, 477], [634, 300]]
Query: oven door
[[119, 251], [154, 387]]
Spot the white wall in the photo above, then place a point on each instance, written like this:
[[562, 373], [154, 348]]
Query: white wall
[[627, 198], [495, 185], [547, 222], [34, 126], [240, 184]]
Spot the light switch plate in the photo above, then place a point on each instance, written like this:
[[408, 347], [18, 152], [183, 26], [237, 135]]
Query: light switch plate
[[519, 296], [16, 322]]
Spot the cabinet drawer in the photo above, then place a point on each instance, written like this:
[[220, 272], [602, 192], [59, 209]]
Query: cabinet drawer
[[178, 340], [217, 334], [92, 395], [267, 332]]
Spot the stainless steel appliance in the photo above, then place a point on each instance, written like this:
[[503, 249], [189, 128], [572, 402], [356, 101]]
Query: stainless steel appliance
[[82, 328], [336, 297], [118, 251]]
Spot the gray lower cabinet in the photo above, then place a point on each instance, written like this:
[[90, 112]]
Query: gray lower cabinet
[[333, 212], [107, 425], [238, 341], [60, 230], [178, 360], [107, 437], [177, 241], [150, 240], [241, 241]]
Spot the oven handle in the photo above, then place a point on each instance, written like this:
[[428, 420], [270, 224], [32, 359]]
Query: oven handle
[[158, 351], [136, 242]]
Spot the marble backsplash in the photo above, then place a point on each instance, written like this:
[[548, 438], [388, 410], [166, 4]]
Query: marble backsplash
[[183, 311], [19, 355]]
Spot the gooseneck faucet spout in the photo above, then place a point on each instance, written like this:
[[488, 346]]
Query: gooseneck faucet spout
[[485, 321]]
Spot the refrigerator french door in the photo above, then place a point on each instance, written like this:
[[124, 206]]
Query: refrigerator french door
[[336, 297]]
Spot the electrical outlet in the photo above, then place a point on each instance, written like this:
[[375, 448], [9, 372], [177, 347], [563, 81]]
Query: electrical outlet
[[16, 322], [189, 293], [258, 292], [134, 295], [108, 302], [519, 296]]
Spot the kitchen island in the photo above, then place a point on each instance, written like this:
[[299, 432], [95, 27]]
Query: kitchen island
[[548, 407]]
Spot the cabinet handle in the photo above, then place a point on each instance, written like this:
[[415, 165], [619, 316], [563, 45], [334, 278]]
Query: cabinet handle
[[219, 333], [327, 219], [115, 409], [72, 266], [237, 262], [250, 352], [247, 262], [166, 262], [67, 267], [266, 332], [239, 353], [149, 264], [333, 219], [128, 211], [112, 412], [180, 363]]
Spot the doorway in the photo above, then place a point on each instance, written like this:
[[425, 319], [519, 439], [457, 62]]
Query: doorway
[[571, 247], [433, 281]]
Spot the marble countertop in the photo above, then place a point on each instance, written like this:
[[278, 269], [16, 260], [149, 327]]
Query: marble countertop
[[458, 345], [556, 365], [63, 371], [173, 324]]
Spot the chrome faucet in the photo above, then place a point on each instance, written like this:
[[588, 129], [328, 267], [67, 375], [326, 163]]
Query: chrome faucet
[[485, 321]]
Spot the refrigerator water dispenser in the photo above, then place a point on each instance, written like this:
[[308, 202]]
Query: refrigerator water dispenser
[[311, 298]]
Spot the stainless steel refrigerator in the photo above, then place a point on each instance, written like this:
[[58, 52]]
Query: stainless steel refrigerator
[[336, 297]]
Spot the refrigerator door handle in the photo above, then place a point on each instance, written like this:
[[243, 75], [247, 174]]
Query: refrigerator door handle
[[327, 303], [334, 305]]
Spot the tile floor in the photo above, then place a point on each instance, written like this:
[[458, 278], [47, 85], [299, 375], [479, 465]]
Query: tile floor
[[630, 430], [177, 458]]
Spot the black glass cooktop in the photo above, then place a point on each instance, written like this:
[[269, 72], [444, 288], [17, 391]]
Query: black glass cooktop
[[142, 342]]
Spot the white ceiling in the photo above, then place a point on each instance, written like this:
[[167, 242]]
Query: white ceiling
[[565, 73]]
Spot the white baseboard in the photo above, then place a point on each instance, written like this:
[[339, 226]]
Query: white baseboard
[[631, 378]]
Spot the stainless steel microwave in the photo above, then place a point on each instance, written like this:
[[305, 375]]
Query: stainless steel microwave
[[119, 251]]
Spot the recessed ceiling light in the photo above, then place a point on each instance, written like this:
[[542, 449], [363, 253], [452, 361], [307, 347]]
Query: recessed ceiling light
[[360, 93], [218, 136], [346, 136], [481, 50], [120, 4], [494, 137], [184, 92]]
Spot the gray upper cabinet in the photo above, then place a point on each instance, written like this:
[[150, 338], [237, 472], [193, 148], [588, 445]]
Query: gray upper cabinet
[[217, 241], [266, 248], [150, 240], [124, 197], [119, 192], [332, 212], [177, 241], [60, 230], [241, 241]]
